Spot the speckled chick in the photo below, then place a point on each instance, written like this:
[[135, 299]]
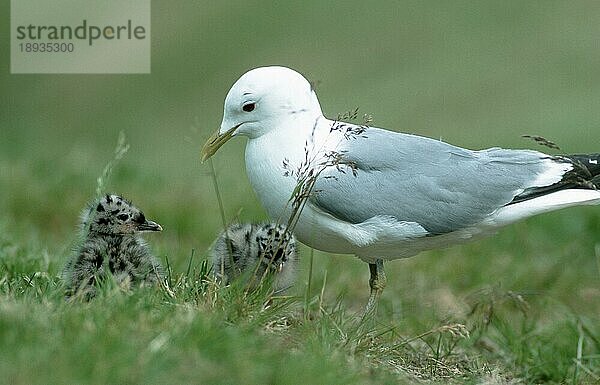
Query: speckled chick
[[256, 250], [111, 242]]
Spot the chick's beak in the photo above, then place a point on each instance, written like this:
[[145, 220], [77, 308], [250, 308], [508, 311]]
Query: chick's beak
[[149, 226], [215, 142]]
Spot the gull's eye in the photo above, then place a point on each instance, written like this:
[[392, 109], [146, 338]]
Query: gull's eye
[[249, 107], [123, 217]]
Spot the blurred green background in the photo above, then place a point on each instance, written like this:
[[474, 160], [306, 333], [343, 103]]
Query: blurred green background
[[476, 74]]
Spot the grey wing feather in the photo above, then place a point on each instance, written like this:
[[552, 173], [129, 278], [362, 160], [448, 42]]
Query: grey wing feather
[[416, 179]]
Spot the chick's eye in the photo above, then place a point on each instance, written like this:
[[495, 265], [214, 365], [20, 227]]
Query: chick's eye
[[249, 107], [123, 217], [140, 218]]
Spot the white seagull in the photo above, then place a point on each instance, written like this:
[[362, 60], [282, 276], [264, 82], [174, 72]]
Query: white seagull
[[379, 194]]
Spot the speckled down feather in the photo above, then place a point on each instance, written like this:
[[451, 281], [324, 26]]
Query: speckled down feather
[[110, 228], [256, 251]]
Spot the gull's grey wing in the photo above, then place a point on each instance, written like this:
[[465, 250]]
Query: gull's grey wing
[[416, 179]]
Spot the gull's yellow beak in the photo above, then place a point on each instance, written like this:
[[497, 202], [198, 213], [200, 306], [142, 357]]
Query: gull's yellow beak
[[215, 142]]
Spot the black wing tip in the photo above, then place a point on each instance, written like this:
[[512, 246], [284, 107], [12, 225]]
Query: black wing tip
[[585, 175], [588, 164]]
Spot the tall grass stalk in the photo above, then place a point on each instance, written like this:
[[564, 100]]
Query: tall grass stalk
[[308, 284], [213, 175], [120, 150]]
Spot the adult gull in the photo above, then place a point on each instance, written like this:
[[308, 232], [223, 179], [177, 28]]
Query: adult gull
[[379, 194]]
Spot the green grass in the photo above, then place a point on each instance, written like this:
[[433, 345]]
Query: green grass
[[520, 307]]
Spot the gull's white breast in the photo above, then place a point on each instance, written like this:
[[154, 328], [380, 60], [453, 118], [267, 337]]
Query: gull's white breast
[[265, 157]]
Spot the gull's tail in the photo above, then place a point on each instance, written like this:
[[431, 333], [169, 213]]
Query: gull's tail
[[584, 175], [580, 185]]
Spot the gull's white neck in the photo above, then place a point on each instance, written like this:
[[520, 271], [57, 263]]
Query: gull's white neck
[[286, 144]]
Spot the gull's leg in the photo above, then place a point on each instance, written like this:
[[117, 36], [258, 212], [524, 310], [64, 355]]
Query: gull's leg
[[377, 283]]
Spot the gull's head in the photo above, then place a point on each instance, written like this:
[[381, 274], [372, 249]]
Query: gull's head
[[260, 101]]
